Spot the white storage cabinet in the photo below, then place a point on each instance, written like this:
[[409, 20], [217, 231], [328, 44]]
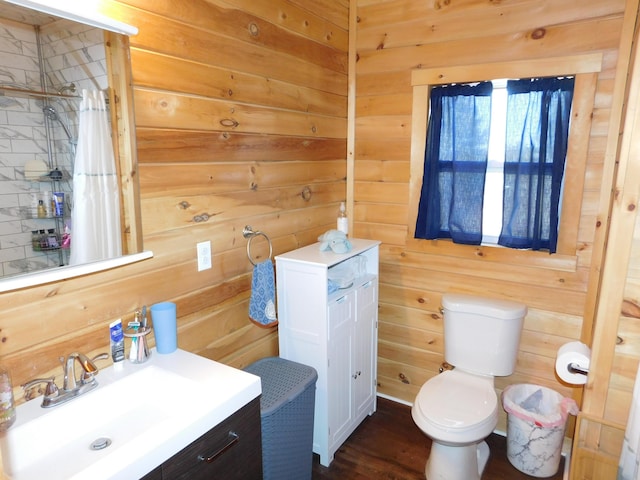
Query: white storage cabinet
[[337, 334]]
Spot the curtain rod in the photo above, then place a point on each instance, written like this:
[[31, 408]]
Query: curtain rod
[[20, 92], [25, 93]]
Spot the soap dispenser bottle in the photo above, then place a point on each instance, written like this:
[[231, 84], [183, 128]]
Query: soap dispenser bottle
[[42, 210], [343, 221], [7, 408]]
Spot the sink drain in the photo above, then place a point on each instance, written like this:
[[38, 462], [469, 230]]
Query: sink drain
[[100, 443]]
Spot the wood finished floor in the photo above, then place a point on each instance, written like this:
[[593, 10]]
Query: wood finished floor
[[389, 446]]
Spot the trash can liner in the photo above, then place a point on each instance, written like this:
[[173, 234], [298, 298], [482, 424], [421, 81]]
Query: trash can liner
[[541, 407], [536, 424]]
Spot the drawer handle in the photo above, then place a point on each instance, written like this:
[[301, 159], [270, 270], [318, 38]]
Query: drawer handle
[[233, 439]]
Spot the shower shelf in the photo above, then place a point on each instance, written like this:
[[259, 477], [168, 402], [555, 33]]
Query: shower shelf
[[34, 216], [47, 178], [48, 249]]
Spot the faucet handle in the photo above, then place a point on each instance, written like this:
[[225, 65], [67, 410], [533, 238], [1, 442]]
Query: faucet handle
[[87, 377], [50, 390], [100, 356]]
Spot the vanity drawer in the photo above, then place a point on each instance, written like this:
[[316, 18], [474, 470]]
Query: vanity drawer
[[231, 450]]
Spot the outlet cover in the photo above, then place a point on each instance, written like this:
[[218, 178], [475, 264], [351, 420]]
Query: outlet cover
[[204, 255]]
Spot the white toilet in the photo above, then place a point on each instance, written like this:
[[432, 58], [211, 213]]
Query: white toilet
[[458, 409]]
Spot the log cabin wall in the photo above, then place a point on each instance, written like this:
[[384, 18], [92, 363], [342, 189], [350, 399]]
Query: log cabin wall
[[615, 350], [240, 112], [241, 118], [396, 37]]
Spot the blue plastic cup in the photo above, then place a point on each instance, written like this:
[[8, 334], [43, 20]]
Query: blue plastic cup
[[165, 326]]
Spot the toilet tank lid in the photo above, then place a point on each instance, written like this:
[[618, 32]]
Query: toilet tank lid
[[492, 307]]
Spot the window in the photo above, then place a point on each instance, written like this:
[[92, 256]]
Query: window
[[494, 180], [533, 157], [583, 68]]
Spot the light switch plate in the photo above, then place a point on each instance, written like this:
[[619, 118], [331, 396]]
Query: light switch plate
[[204, 255]]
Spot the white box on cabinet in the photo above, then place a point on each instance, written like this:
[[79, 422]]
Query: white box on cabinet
[[334, 333]]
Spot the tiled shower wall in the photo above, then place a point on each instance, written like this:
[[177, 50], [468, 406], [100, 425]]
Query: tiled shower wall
[[72, 53]]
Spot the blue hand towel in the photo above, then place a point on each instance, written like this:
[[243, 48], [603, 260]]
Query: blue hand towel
[[262, 305]]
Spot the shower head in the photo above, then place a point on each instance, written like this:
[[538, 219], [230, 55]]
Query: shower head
[[52, 114]]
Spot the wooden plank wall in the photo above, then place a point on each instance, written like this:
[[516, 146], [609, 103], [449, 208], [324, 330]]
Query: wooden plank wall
[[240, 111], [241, 114], [393, 38], [616, 351]]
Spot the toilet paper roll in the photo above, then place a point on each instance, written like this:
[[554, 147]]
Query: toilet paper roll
[[573, 352]]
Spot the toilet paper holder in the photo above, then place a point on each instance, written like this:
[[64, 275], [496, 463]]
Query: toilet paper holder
[[575, 368]]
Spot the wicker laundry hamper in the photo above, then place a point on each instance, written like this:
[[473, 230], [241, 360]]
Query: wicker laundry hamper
[[286, 410]]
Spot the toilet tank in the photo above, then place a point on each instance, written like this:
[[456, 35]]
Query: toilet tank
[[482, 335]]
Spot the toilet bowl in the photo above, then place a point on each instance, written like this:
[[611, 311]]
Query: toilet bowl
[[457, 410]]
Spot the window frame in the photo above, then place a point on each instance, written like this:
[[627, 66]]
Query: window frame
[[585, 69]]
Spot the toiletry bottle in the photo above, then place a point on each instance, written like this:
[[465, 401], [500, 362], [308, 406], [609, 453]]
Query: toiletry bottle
[[116, 335], [66, 237], [52, 239], [57, 204], [35, 240], [7, 409], [343, 221], [42, 211], [43, 240], [46, 201]]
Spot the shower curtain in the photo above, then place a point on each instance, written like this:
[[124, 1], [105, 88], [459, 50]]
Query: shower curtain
[[630, 456], [95, 217]]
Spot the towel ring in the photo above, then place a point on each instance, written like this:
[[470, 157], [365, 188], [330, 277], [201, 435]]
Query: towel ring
[[249, 233]]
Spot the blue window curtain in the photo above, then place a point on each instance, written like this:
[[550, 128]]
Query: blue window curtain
[[538, 114], [455, 163]]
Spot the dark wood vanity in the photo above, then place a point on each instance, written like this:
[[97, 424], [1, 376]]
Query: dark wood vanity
[[231, 450]]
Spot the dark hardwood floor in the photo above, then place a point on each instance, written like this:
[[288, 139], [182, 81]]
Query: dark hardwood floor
[[389, 446]]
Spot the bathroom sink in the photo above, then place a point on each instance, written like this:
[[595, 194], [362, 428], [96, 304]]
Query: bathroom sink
[[135, 419]]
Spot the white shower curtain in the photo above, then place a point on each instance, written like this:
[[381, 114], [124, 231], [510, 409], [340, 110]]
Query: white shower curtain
[[95, 217], [630, 456]]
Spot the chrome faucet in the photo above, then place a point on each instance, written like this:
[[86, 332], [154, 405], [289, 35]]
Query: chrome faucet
[[69, 382], [71, 387]]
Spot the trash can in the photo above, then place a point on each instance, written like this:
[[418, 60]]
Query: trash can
[[536, 423], [286, 410]]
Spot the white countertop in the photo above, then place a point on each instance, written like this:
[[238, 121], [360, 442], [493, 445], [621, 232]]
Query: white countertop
[[188, 394], [311, 254]]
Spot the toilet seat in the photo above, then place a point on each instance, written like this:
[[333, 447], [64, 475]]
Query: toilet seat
[[457, 407]]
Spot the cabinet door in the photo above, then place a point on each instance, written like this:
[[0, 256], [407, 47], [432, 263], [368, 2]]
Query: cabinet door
[[231, 450], [340, 368], [155, 474], [364, 353]]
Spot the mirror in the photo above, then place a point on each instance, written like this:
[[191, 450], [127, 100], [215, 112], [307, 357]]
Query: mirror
[[47, 62]]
